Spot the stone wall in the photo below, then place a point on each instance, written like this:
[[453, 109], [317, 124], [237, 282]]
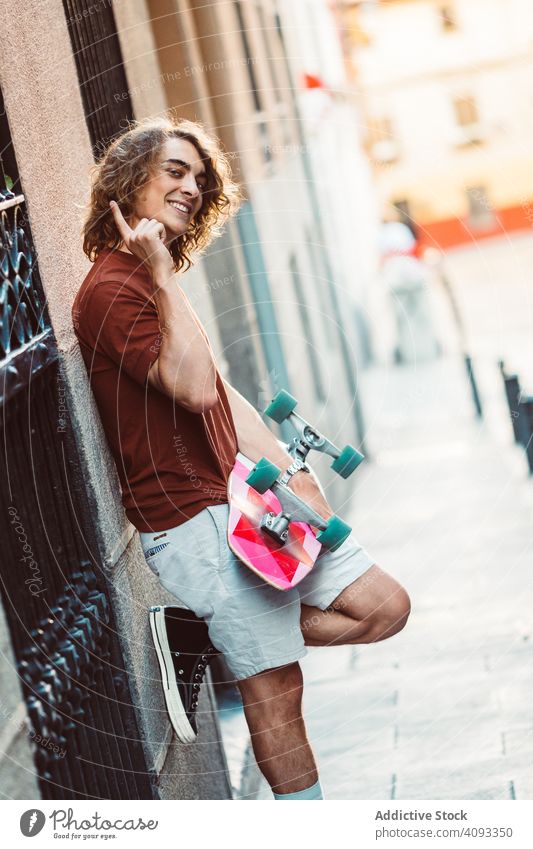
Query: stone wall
[[40, 87]]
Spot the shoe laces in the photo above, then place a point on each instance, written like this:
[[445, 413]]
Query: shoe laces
[[200, 673]]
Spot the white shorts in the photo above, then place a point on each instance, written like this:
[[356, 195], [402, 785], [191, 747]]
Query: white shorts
[[255, 626]]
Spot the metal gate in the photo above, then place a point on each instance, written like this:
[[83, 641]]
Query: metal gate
[[83, 728]]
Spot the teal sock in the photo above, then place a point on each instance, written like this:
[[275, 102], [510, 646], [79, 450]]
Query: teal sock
[[313, 792]]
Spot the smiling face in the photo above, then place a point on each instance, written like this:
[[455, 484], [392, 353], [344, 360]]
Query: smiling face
[[173, 194]]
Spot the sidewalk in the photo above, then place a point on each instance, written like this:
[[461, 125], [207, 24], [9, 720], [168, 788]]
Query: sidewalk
[[442, 710]]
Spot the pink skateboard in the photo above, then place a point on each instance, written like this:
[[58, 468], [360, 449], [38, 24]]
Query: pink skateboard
[[281, 564], [270, 528]]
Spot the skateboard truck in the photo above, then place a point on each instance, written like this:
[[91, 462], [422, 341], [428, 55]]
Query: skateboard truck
[[276, 526], [281, 408], [266, 475], [293, 509]]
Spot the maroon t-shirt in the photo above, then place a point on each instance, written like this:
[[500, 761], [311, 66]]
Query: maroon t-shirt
[[172, 463]]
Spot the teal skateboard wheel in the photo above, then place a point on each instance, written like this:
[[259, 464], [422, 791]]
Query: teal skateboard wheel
[[281, 406], [347, 461], [263, 475], [335, 533]]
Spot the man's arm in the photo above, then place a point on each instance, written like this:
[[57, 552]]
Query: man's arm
[[185, 368], [255, 440]]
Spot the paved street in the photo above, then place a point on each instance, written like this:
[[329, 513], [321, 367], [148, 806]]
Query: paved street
[[442, 710]]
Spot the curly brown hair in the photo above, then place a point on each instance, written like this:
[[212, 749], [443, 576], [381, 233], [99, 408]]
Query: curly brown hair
[[129, 162]]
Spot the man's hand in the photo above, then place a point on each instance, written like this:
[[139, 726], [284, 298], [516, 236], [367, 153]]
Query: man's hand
[[306, 486], [146, 241], [185, 369]]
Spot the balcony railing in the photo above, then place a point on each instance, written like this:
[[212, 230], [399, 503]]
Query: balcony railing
[[23, 314]]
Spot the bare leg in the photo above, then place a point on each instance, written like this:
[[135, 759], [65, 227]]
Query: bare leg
[[372, 608], [273, 709]]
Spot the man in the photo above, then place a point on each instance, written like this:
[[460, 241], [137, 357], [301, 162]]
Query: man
[[406, 280], [159, 194]]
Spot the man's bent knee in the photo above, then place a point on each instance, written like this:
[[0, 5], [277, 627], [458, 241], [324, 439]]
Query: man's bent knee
[[378, 605], [386, 619], [390, 617]]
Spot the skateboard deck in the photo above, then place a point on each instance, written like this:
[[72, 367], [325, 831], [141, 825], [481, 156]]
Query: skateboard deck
[[281, 566]]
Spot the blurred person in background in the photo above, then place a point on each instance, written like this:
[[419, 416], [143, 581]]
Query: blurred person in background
[[406, 280]]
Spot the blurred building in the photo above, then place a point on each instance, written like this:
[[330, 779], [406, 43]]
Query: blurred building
[[448, 93], [270, 80], [277, 292], [339, 166]]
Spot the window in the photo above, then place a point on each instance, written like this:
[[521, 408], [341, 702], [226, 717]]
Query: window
[[466, 111], [254, 88], [103, 84], [305, 317], [271, 59], [469, 129], [318, 277], [291, 124], [447, 18]]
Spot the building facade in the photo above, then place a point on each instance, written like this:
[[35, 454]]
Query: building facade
[[447, 101], [276, 298]]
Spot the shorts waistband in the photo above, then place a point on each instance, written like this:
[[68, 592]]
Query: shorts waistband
[[152, 539]]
